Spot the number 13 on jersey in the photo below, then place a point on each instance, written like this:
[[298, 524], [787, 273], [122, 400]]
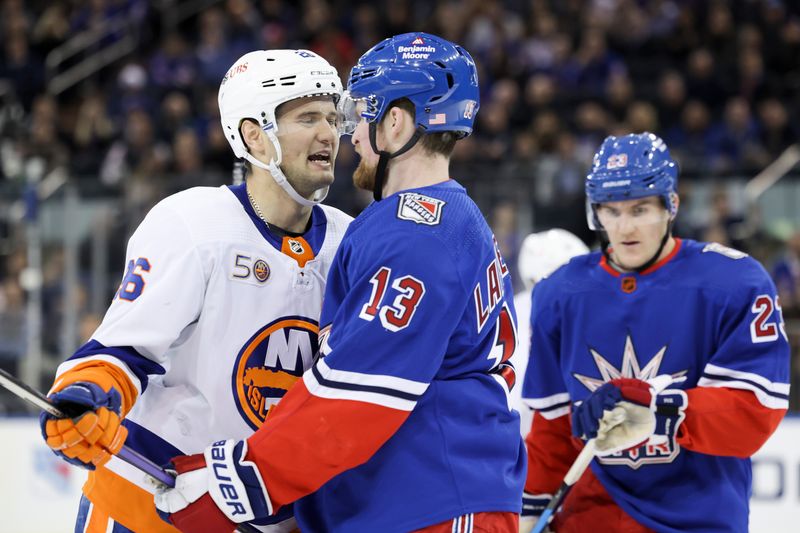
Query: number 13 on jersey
[[398, 314]]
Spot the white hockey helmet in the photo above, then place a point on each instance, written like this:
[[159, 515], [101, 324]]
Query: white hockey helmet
[[542, 253], [260, 81]]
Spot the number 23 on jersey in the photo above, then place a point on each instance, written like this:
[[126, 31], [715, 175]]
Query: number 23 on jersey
[[764, 327]]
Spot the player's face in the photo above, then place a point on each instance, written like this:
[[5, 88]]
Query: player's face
[[635, 229], [309, 142], [364, 175]]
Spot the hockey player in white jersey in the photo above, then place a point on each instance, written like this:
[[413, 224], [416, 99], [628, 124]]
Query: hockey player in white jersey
[[540, 255], [218, 312]]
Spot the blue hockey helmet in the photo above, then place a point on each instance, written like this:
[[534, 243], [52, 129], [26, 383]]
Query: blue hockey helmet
[[437, 76], [629, 167]]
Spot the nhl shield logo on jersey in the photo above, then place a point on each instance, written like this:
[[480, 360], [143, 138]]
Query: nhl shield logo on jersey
[[270, 362], [628, 284], [420, 209], [296, 247]]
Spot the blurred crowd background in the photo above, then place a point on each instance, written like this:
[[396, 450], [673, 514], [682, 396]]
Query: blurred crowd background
[[110, 105]]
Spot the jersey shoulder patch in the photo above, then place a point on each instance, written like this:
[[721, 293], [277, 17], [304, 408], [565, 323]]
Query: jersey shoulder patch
[[721, 249], [713, 265], [420, 208]]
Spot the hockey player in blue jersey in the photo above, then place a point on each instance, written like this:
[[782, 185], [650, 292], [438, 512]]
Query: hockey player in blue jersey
[[403, 423], [704, 317]]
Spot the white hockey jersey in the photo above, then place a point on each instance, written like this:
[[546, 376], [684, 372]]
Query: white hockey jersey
[[215, 319], [522, 304]]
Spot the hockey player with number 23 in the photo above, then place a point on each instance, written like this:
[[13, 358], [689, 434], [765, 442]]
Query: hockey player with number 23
[[403, 424], [670, 353], [217, 316]]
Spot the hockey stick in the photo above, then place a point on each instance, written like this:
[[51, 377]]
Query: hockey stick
[[573, 475], [41, 401], [659, 384], [132, 457]]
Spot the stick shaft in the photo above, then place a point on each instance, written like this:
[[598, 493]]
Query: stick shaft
[[132, 457], [573, 475], [26, 392]]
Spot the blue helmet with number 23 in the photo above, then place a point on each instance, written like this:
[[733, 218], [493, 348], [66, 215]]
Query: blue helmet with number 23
[[629, 167], [437, 76]]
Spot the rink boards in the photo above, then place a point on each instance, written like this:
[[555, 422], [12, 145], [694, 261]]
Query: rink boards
[[40, 493]]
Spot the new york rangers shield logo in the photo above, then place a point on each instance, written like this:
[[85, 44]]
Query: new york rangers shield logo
[[420, 209]]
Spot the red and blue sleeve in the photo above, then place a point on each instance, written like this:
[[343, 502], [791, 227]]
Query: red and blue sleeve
[[388, 337]]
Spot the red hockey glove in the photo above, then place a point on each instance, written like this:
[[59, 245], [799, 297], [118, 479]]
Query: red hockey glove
[[214, 491]]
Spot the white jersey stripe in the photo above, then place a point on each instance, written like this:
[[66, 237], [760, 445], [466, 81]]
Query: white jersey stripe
[[406, 386], [373, 396], [770, 386], [765, 399], [555, 413], [550, 407], [88, 516], [542, 404]]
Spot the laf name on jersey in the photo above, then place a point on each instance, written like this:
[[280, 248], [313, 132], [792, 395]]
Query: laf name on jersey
[[493, 290]]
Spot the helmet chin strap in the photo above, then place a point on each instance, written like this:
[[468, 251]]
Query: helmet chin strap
[[384, 156], [647, 264], [273, 167]]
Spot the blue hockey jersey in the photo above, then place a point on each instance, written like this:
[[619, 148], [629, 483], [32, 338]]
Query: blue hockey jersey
[[404, 421], [707, 313]]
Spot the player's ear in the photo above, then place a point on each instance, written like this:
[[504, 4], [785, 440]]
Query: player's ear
[[252, 136], [399, 123], [256, 141]]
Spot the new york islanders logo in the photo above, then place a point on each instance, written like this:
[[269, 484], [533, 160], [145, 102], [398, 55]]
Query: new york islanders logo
[[420, 209], [270, 362]]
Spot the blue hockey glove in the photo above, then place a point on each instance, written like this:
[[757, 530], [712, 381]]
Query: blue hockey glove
[[587, 417], [93, 433], [670, 406], [626, 413], [214, 491]]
